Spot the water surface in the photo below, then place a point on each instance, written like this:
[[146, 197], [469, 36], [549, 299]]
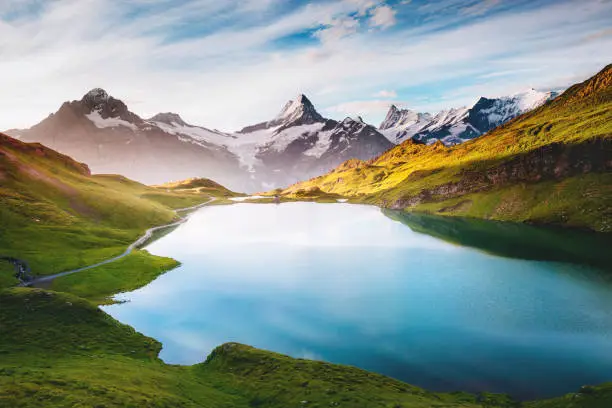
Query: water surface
[[346, 284]]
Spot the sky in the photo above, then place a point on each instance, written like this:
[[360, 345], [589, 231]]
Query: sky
[[227, 64]]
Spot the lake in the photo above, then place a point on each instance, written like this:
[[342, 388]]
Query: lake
[[428, 300]]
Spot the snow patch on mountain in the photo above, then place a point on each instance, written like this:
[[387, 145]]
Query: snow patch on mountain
[[322, 144], [531, 99], [279, 141], [448, 117], [102, 123], [195, 132], [508, 107]]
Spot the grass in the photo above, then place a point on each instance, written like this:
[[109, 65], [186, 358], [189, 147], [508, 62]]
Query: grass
[[582, 201], [7, 274], [200, 186], [78, 356], [587, 397], [517, 172], [127, 274], [274, 380]]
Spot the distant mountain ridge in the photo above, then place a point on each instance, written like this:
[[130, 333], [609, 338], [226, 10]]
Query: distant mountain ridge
[[455, 126], [297, 144], [101, 131]]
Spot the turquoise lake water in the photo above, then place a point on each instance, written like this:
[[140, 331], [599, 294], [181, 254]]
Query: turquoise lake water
[[347, 284]]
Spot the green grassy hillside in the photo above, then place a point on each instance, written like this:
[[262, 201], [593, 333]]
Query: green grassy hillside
[[127, 274], [56, 216], [551, 165]]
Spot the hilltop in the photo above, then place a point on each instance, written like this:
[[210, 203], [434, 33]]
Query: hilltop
[[198, 185]]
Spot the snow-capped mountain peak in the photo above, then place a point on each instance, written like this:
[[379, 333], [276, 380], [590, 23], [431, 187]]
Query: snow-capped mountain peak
[[169, 118], [392, 118], [400, 124], [350, 120], [104, 111], [456, 125], [296, 112], [449, 116], [488, 113], [402, 118], [95, 99], [300, 109], [531, 99]]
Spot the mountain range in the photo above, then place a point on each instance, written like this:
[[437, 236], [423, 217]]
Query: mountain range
[[299, 143], [551, 165], [455, 126], [102, 132]]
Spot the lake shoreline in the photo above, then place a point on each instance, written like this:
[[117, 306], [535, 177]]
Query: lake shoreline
[[274, 209]]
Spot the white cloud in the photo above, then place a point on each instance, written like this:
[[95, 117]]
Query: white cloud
[[383, 17], [385, 94], [234, 75]]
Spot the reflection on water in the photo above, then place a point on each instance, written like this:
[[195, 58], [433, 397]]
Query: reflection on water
[[513, 239], [346, 284]]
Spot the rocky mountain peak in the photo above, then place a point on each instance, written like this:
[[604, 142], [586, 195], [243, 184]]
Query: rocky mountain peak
[[299, 110], [353, 120], [95, 98], [98, 100], [401, 117], [391, 119], [169, 118]]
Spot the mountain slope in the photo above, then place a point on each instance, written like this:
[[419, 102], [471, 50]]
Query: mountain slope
[[56, 216], [101, 131], [550, 165], [455, 126]]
